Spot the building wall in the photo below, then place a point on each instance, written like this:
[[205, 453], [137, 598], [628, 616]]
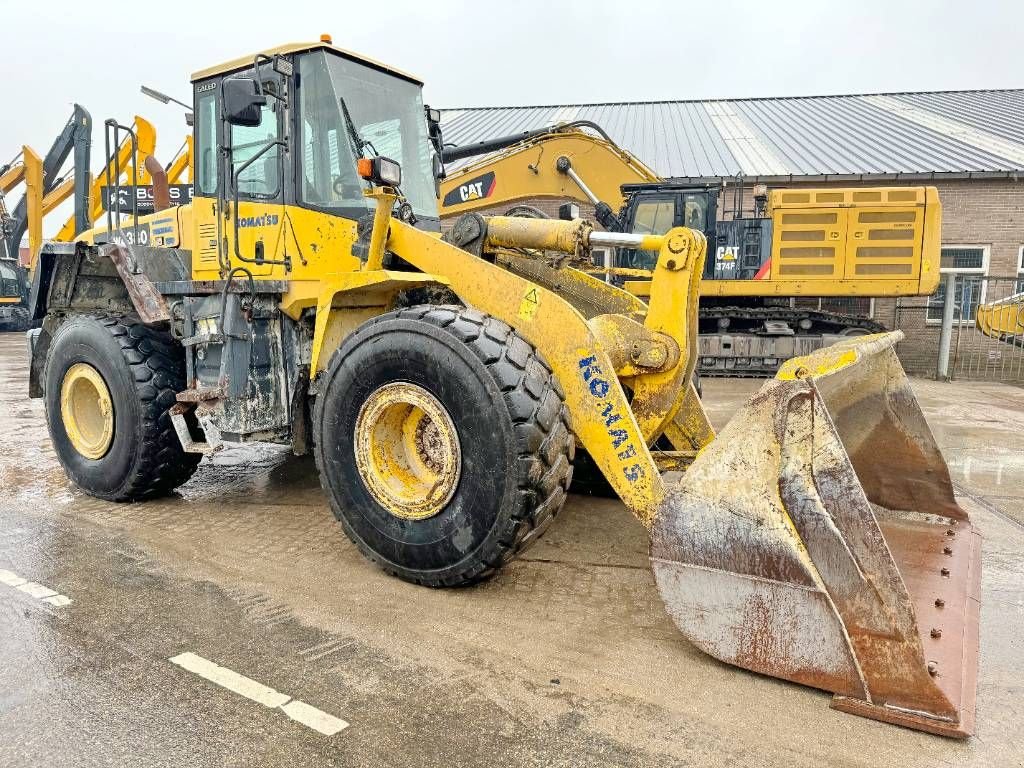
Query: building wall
[[984, 212]]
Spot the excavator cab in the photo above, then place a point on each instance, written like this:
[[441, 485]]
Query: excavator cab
[[739, 248], [654, 209]]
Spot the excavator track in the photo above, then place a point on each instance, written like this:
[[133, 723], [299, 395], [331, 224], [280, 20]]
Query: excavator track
[[743, 349]]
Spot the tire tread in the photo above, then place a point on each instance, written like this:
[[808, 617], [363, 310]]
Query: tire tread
[[544, 438]]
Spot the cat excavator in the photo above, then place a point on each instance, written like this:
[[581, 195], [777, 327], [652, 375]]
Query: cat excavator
[[306, 297], [766, 275]]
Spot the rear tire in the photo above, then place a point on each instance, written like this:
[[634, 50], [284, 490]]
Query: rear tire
[[504, 405], [143, 369]]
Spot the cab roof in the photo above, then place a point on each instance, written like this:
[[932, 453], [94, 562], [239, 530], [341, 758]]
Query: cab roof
[[245, 62]]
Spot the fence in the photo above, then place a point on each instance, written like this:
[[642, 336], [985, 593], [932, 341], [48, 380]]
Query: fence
[[973, 355], [943, 340]]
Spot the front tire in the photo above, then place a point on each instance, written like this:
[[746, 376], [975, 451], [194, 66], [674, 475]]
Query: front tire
[[408, 381], [109, 383]]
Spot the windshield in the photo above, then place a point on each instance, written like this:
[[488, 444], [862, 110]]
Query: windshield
[[656, 216], [386, 119], [8, 282]]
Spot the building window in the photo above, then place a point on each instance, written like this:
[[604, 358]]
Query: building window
[[1019, 288], [971, 262]]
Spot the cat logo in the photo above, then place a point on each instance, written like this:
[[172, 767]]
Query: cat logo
[[474, 189]]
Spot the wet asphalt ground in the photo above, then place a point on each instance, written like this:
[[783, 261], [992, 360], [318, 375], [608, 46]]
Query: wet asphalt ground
[[566, 658]]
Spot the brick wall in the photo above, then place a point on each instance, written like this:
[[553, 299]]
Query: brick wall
[[986, 212], [983, 212]]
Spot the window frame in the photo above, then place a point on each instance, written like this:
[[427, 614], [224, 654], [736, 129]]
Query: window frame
[[982, 271], [214, 95], [1019, 286]]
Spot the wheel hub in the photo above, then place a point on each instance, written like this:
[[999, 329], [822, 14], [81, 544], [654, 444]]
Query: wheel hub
[[87, 411], [407, 451]]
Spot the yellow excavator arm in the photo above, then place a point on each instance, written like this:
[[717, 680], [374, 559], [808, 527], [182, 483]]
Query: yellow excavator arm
[[30, 172], [563, 162]]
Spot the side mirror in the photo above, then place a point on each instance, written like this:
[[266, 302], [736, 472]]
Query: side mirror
[[434, 128], [242, 101]]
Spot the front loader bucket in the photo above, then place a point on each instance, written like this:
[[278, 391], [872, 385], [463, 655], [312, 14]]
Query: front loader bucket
[[817, 539]]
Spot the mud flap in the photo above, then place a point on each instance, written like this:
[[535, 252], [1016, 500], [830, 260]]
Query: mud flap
[[817, 539]]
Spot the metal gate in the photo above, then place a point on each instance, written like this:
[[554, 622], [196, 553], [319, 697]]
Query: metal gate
[[972, 354]]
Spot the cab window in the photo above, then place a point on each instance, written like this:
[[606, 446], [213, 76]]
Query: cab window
[[262, 178], [650, 217], [695, 212], [654, 217], [206, 144]]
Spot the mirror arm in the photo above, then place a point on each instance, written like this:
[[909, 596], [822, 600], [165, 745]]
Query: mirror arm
[[262, 58]]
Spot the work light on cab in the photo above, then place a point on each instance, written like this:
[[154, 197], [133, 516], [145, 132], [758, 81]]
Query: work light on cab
[[381, 171]]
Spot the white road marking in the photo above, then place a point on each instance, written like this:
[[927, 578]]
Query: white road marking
[[311, 717], [38, 591], [299, 711], [11, 579]]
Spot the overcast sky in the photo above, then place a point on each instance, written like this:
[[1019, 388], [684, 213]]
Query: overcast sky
[[481, 53]]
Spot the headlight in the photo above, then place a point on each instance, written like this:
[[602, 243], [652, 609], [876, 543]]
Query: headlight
[[382, 171]]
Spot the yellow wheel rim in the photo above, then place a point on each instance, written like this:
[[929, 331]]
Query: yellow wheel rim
[[407, 451], [87, 411]]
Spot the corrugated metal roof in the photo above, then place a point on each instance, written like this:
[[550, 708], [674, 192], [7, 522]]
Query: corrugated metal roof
[[911, 135]]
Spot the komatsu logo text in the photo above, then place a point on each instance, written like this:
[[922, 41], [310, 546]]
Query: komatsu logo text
[[266, 220], [621, 442]]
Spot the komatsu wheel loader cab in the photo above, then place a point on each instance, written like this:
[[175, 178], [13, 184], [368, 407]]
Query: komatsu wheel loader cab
[[444, 385]]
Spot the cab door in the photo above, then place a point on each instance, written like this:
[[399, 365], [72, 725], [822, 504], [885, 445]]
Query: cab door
[[255, 172]]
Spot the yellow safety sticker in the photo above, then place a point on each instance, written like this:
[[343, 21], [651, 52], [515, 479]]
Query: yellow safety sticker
[[528, 306]]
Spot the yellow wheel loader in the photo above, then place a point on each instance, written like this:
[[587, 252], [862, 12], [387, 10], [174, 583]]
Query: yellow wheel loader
[[305, 297], [1003, 319]]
